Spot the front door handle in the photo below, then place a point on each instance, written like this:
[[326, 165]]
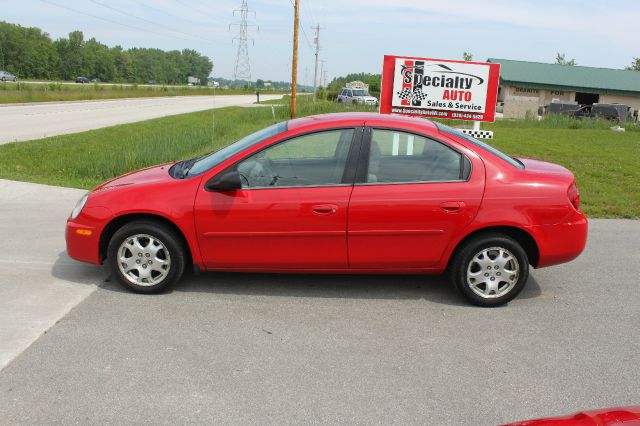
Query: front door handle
[[453, 206], [325, 209]]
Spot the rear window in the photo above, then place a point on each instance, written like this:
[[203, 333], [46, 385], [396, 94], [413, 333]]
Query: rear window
[[476, 142]]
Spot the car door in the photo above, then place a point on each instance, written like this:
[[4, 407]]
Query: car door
[[291, 213], [412, 195]]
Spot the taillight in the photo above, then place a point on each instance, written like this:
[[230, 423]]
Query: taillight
[[574, 195]]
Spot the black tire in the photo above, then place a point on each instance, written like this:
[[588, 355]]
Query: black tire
[[169, 241], [3, 79], [462, 263]]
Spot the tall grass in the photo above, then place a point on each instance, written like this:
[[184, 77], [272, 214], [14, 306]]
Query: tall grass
[[84, 160], [605, 163], [49, 92]]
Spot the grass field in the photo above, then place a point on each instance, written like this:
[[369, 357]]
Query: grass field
[[22, 92], [605, 163]]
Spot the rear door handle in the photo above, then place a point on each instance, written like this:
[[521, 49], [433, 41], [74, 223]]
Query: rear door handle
[[325, 209], [453, 206]]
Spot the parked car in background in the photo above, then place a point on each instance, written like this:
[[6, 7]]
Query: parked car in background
[[356, 96], [83, 80], [7, 76], [406, 195], [617, 113]]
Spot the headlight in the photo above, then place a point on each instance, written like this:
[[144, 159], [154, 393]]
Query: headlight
[[79, 206]]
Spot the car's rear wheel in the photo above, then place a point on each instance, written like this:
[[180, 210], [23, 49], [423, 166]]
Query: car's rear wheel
[[146, 256], [490, 270]]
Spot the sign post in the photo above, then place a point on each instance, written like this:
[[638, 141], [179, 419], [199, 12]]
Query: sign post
[[440, 88]]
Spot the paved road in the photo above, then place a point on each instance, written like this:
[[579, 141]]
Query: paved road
[[247, 349], [33, 121], [39, 284]]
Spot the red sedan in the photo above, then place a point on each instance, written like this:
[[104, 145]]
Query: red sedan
[[338, 193]]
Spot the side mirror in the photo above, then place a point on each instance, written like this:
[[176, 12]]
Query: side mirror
[[224, 183]]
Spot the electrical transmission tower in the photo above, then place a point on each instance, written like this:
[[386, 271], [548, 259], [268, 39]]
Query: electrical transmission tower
[[242, 70]]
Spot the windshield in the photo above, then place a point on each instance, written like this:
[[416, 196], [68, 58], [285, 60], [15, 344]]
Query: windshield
[[483, 145], [360, 93], [211, 160]]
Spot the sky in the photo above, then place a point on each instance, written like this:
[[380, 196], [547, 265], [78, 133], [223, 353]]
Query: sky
[[355, 34]]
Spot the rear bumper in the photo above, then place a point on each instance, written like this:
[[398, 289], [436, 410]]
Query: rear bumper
[[562, 242]]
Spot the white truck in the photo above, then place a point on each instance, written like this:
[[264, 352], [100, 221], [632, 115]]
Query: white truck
[[356, 92]]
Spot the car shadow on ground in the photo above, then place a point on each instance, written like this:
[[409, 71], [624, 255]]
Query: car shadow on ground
[[67, 269], [435, 289]]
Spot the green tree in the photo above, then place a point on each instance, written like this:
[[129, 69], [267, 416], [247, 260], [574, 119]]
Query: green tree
[[71, 55], [561, 60], [635, 65], [467, 56], [27, 52], [30, 53]]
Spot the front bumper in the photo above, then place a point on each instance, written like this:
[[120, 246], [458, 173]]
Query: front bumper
[[82, 235]]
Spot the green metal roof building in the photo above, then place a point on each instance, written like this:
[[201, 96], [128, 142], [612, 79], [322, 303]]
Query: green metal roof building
[[525, 86]]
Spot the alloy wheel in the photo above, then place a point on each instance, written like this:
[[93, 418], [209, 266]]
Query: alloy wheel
[[144, 260], [492, 272]]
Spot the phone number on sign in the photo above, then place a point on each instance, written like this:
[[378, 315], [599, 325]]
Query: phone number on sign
[[467, 116]]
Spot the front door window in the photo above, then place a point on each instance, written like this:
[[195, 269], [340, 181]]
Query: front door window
[[316, 159]]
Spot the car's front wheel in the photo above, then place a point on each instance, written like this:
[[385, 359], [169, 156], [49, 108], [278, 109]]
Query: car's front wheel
[[146, 256], [490, 270]]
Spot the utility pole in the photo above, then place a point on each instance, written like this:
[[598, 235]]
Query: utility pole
[[322, 62], [324, 78], [242, 70], [294, 64], [316, 41]]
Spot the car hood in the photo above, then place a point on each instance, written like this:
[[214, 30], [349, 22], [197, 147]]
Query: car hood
[[154, 174], [533, 165]]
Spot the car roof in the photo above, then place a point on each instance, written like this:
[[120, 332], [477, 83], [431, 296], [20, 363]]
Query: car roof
[[360, 119]]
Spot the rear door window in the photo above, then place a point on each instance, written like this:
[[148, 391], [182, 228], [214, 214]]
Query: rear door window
[[399, 157]]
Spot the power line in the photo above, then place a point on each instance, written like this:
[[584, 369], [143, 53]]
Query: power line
[[190, 6], [304, 33], [201, 23], [145, 19], [310, 14], [107, 20]]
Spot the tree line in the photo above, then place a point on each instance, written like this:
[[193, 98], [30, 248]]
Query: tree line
[[30, 52]]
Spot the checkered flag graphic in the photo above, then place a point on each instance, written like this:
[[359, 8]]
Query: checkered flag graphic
[[405, 94], [416, 95], [479, 134]]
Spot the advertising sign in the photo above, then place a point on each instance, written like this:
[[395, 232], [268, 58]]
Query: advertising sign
[[439, 88]]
